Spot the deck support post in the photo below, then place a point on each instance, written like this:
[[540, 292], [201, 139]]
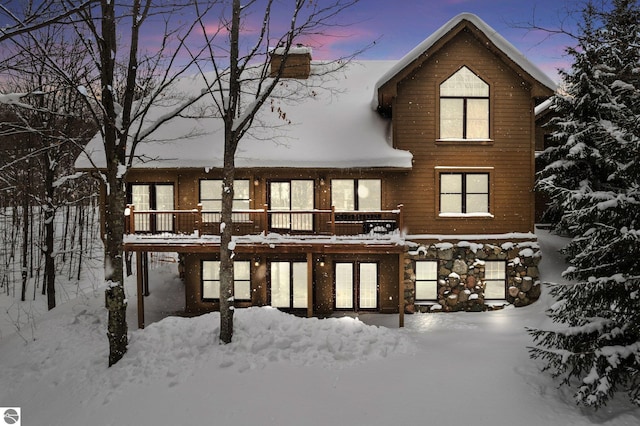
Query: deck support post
[[309, 285], [145, 261], [401, 290], [139, 279]]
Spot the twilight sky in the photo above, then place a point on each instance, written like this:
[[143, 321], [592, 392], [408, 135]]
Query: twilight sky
[[399, 25]]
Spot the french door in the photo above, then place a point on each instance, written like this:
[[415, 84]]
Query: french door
[[288, 284], [156, 197], [356, 285], [291, 196]]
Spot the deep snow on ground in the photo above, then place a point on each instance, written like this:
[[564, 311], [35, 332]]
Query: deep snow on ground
[[446, 369]]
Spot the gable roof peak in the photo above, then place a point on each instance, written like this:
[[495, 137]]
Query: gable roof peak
[[500, 42]]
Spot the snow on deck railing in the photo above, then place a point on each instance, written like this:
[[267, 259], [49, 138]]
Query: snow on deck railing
[[265, 220]]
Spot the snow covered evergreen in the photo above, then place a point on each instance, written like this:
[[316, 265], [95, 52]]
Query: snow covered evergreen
[[593, 178]]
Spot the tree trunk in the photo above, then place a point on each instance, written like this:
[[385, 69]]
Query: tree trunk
[[25, 244], [226, 261], [49, 230], [115, 296]]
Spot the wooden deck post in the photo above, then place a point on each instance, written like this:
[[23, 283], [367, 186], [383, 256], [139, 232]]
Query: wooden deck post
[[265, 219], [132, 222], [198, 224], [401, 290], [401, 218], [139, 278], [145, 264], [309, 285], [333, 220]]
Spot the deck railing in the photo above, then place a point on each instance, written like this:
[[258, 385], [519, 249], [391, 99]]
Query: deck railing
[[256, 221]]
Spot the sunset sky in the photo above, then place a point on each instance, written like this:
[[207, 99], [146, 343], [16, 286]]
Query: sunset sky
[[398, 26]]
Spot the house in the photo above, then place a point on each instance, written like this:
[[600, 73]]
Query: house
[[391, 187]]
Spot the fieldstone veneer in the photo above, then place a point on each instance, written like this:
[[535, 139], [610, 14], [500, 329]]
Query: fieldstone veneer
[[461, 275]]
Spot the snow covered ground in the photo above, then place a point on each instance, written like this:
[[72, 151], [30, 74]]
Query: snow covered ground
[[446, 369]]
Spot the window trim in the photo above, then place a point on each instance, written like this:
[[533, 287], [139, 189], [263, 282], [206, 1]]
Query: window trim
[[479, 141], [490, 171], [217, 299]]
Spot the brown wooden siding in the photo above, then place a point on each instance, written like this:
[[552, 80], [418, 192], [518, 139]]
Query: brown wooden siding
[[323, 279], [510, 154]]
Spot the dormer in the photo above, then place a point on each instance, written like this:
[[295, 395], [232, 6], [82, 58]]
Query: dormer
[[297, 61]]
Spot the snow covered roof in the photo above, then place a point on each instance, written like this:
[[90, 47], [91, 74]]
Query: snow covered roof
[[330, 124], [500, 42]]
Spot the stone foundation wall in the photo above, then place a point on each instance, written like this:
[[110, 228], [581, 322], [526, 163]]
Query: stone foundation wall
[[461, 275]]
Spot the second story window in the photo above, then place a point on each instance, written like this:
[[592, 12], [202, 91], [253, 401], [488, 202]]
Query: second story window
[[464, 193], [211, 198], [464, 107], [356, 194]]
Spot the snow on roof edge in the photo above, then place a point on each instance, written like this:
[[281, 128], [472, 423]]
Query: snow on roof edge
[[503, 44]]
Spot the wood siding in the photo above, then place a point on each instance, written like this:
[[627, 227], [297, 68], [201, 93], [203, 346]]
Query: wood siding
[[510, 153]]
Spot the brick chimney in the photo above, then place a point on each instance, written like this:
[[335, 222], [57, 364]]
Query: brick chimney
[[298, 62]]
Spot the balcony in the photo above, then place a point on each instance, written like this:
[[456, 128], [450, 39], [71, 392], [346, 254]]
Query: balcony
[[264, 221]]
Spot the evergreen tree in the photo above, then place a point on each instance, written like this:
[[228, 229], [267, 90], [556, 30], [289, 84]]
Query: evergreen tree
[[593, 177]]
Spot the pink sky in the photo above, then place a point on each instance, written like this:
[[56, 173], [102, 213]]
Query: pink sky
[[398, 26]]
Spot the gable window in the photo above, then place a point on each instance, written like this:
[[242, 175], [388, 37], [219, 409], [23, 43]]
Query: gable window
[[291, 196], [464, 193], [152, 196], [356, 285], [426, 280], [356, 194], [211, 280], [464, 107], [288, 285], [495, 279], [211, 199]]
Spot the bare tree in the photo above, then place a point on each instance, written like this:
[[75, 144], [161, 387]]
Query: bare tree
[[54, 126], [244, 82], [119, 96]]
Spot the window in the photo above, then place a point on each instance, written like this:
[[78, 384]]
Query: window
[[211, 280], [356, 194], [426, 280], [290, 196], [211, 199], [289, 285], [365, 293], [464, 193], [495, 280], [464, 107], [152, 196]]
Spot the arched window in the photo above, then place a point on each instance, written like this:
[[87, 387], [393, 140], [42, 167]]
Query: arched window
[[464, 106]]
